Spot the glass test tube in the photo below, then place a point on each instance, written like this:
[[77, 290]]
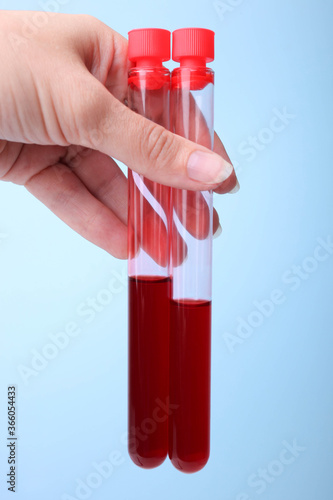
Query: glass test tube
[[192, 91], [148, 262]]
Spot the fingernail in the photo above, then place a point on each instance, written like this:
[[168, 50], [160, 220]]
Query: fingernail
[[217, 232], [236, 189], [209, 168]]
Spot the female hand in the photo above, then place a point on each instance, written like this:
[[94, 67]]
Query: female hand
[[63, 86]]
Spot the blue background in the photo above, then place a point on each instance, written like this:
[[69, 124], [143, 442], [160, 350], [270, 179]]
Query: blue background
[[269, 387]]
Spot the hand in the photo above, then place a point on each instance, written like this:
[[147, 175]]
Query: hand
[[62, 115]]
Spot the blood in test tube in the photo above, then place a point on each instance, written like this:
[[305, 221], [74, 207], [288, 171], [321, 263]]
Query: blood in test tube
[[192, 90], [148, 262]]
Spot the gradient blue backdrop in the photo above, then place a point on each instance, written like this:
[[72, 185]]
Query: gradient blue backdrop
[[271, 386]]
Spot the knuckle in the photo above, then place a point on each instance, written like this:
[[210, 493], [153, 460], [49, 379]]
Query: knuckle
[[89, 20], [158, 144], [85, 127]]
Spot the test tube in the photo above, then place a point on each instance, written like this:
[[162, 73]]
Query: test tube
[[148, 262], [192, 91]]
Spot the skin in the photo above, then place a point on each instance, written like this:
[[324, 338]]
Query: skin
[[64, 122]]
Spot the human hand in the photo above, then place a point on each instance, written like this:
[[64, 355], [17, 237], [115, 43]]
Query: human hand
[[62, 115]]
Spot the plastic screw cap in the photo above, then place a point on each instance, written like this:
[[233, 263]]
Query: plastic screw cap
[[150, 43], [193, 42]]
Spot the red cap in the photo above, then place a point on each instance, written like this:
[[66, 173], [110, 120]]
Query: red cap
[[149, 43], [193, 42]]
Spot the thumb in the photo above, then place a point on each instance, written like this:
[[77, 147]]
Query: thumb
[[105, 124]]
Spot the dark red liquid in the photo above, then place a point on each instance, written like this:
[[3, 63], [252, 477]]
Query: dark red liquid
[[149, 321], [190, 360]]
